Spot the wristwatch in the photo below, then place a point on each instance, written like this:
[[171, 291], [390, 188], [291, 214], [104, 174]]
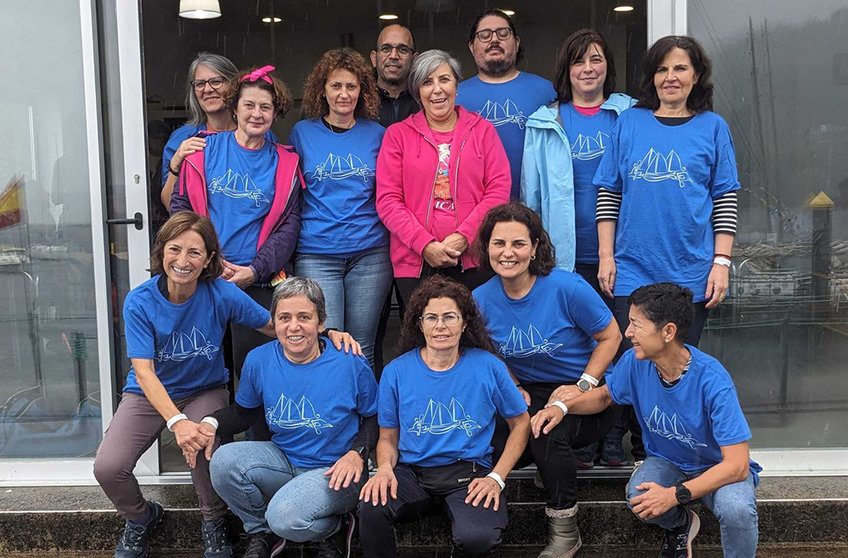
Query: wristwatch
[[584, 385], [362, 451], [682, 493]]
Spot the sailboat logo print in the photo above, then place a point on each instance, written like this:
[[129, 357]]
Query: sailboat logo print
[[500, 114], [234, 185], [182, 346], [524, 344], [656, 167], [586, 148], [335, 167], [671, 428], [440, 419], [289, 414]]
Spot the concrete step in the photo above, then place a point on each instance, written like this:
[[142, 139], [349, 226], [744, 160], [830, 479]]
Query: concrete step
[[797, 511]]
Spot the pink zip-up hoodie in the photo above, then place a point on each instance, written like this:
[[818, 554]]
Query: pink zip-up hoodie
[[406, 173]]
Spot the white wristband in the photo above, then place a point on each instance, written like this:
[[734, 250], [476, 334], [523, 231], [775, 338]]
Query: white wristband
[[174, 420], [561, 406], [589, 378], [721, 260], [498, 479], [211, 421]]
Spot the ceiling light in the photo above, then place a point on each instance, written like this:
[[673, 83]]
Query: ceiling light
[[200, 9], [388, 17], [268, 20], [510, 13], [622, 7]]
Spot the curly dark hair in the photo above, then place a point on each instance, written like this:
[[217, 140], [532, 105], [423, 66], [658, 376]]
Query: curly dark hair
[[282, 97], [665, 303], [177, 225], [701, 96], [475, 334], [517, 212], [574, 49], [315, 103]]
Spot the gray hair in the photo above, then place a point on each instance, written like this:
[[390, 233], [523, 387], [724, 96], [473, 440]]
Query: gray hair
[[215, 62], [300, 286], [426, 64]]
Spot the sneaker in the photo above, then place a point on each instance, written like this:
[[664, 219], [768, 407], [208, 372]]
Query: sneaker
[[264, 545], [135, 542], [584, 458], [678, 541], [612, 454], [215, 543], [338, 544]]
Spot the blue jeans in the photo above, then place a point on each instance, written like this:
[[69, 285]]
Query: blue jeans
[[734, 505], [355, 289], [270, 494]]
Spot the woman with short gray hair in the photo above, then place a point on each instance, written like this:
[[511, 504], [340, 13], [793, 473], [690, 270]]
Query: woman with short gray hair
[[320, 403], [438, 172]]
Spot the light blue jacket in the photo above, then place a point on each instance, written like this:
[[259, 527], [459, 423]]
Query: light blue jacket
[[547, 179]]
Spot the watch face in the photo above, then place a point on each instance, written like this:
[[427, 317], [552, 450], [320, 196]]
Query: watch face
[[584, 385]]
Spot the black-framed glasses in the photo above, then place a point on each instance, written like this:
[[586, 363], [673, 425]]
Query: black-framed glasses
[[402, 50], [214, 82], [450, 319], [485, 35]]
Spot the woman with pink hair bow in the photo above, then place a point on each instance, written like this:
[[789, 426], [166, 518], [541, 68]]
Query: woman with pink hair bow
[[249, 187]]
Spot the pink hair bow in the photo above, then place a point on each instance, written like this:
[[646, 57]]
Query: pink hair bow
[[261, 73]]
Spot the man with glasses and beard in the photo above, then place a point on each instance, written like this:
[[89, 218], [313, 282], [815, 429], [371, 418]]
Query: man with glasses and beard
[[499, 92], [392, 60]]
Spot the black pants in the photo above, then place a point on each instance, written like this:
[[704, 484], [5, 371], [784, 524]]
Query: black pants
[[424, 491], [471, 278], [553, 453], [628, 415]]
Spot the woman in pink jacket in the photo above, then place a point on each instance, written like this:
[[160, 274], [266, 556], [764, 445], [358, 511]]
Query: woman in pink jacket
[[438, 173]]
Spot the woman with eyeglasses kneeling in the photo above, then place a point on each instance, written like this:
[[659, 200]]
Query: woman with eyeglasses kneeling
[[437, 410]]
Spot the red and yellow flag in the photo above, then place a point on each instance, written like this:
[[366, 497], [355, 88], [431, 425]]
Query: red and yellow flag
[[10, 202]]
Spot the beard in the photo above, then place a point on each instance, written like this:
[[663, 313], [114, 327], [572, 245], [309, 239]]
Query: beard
[[498, 67], [394, 82]]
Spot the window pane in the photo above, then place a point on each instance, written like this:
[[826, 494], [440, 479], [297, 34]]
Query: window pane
[[780, 70], [49, 393]]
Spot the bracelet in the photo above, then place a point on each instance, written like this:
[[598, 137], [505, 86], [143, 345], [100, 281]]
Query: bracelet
[[561, 406], [589, 378], [721, 260], [723, 255], [174, 420], [497, 478], [211, 421], [172, 171]]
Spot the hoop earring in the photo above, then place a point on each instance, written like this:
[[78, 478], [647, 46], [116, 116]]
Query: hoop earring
[[533, 257]]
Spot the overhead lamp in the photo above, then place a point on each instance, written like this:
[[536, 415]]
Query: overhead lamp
[[622, 7], [200, 9], [388, 17], [510, 13], [275, 19]]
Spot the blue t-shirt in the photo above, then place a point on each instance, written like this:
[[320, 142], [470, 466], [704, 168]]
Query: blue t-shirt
[[240, 189], [312, 409], [589, 136], [181, 134], [184, 340], [447, 416], [668, 177], [507, 106], [545, 336], [339, 214], [687, 423]]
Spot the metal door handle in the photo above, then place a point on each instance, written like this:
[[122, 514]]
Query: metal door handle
[[136, 220]]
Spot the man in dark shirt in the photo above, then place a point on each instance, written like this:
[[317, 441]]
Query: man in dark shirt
[[392, 60]]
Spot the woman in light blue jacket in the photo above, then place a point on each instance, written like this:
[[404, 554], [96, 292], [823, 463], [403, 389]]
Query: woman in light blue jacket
[[563, 147]]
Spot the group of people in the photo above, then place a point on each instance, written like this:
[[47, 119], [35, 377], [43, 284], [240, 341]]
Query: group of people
[[555, 247]]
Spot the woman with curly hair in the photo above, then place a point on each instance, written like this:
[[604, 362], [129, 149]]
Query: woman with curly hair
[[558, 338], [249, 187], [343, 245], [436, 410]]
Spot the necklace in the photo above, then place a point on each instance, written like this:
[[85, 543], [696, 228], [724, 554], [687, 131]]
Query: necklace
[[338, 129]]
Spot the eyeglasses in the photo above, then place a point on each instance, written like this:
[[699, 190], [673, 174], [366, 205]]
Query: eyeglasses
[[485, 35], [214, 83], [402, 50], [450, 319]]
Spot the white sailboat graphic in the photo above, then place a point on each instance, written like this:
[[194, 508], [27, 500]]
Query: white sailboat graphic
[[506, 113], [290, 415], [182, 346], [335, 167], [440, 419], [234, 185], [671, 428], [656, 167], [586, 148], [523, 344]]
